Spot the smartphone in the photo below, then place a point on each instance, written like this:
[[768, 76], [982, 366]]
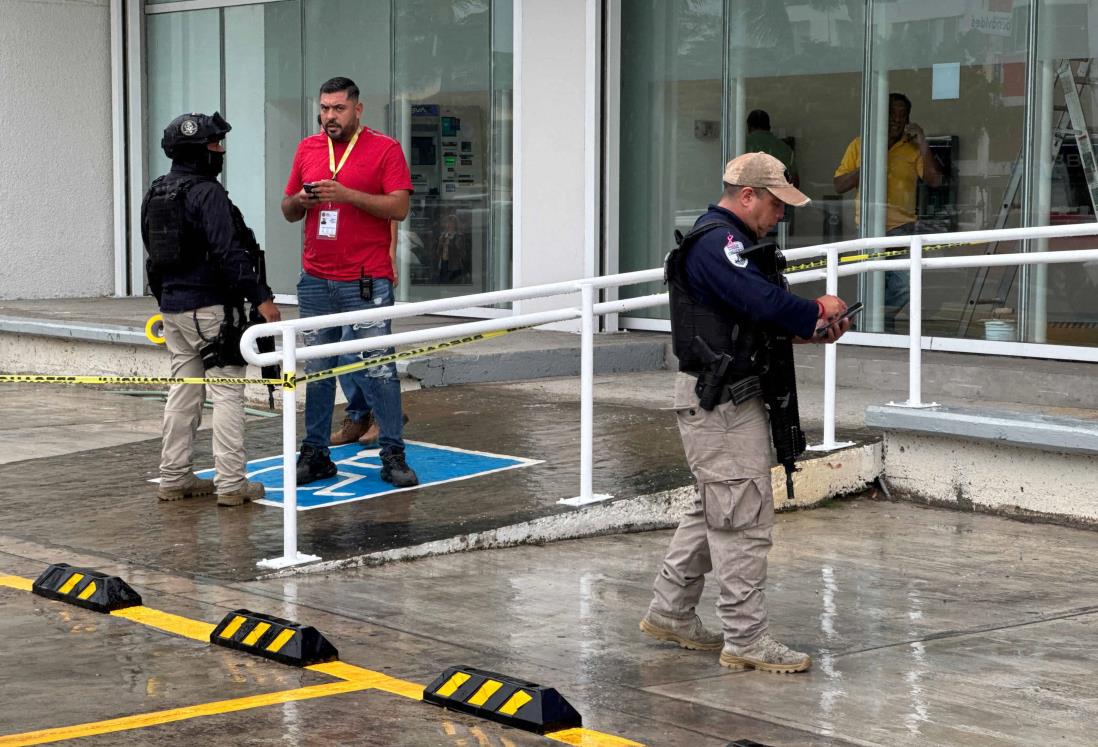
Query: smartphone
[[308, 187], [850, 312]]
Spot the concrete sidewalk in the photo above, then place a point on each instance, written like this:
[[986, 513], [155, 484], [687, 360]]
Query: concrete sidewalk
[[926, 626]]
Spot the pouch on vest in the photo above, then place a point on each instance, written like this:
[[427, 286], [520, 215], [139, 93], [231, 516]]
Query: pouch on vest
[[167, 221]]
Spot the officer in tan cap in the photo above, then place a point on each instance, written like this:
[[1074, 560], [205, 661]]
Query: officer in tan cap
[[723, 302]]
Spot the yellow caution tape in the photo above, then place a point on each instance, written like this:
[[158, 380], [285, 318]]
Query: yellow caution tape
[[882, 254], [288, 381], [154, 329]]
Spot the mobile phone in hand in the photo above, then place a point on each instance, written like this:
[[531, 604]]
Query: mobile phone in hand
[[850, 312], [308, 187]]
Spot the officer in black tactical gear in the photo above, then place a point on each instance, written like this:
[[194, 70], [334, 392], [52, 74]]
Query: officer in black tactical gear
[[203, 263], [729, 308]]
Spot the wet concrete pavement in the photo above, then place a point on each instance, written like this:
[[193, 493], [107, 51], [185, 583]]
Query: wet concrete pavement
[[101, 499], [926, 626]]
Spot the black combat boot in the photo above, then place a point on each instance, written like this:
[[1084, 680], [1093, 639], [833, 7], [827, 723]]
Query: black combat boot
[[396, 471], [314, 464]]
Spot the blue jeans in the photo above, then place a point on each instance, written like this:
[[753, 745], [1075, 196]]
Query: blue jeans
[[358, 408], [897, 291], [379, 384]]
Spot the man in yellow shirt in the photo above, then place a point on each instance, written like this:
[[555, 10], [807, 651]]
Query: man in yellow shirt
[[909, 159]]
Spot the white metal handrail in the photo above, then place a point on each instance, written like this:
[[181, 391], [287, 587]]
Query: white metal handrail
[[588, 309]]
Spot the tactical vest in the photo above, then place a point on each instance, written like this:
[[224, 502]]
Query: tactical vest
[[737, 336], [173, 244]]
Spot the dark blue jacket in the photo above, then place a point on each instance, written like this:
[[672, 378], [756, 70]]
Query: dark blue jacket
[[228, 275], [720, 279]]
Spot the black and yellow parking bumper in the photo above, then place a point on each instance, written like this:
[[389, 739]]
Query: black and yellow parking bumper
[[507, 700], [273, 638], [85, 588]]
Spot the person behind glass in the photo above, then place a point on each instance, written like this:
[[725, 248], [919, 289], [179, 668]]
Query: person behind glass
[[203, 262], [348, 182], [909, 159], [722, 295], [761, 140]]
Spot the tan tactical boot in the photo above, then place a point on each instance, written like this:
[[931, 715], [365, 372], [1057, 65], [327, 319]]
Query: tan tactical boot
[[193, 487], [251, 491], [688, 633], [766, 655], [371, 435], [350, 431]]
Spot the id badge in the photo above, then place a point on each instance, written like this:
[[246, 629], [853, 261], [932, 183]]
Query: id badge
[[328, 224]]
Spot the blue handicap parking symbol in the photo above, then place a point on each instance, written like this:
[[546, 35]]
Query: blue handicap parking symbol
[[359, 476]]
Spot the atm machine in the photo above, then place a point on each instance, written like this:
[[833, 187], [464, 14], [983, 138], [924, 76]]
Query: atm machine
[[449, 212]]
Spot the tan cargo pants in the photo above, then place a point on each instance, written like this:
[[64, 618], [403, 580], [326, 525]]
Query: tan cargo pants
[[183, 411], [728, 528]]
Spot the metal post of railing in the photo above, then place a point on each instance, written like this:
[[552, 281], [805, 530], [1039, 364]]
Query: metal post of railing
[[915, 328], [830, 365], [587, 399], [290, 555]]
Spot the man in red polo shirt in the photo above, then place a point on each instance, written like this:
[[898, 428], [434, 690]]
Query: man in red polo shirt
[[348, 182]]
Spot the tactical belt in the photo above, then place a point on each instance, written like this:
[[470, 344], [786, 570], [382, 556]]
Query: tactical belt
[[736, 392]]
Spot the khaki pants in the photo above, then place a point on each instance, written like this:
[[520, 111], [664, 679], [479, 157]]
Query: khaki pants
[[183, 412], [728, 528]]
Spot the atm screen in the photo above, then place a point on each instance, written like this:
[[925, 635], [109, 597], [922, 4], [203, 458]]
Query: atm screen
[[450, 126], [423, 151]]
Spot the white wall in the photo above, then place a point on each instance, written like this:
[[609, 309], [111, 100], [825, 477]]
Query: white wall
[[550, 69], [56, 237]]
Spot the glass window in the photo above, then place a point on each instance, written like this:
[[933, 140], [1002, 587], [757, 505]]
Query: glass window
[[184, 73], [952, 76], [263, 104], [349, 38], [444, 116], [670, 128], [1060, 302], [699, 87]]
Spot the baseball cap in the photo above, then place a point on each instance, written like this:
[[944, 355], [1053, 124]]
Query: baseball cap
[[763, 170]]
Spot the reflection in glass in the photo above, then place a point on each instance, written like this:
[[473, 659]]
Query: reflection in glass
[[962, 67], [184, 72], [670, 128], [1059, 303], [446, 115], [263, 104]]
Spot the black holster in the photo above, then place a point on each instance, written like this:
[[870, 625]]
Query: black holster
[[224, 350]]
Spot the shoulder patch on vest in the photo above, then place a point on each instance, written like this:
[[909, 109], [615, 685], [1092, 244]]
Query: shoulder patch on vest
[[732, 251]]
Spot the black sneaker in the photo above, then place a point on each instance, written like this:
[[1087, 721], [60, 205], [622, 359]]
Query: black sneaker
[[314, 464], [396, 471]]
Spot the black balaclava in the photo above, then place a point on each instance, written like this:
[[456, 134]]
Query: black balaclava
[[206, 161]]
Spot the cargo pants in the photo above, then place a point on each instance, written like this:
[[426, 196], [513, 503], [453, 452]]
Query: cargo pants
[[728, 528], [183, 336]]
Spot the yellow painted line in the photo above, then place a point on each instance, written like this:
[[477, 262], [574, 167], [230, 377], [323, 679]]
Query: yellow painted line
[[88, 591], [281, 640], [516, 701], [17, 582], [256, 634], [452, 684], [74, 579], [376, 680], [353, 679], [590, 738], [480, 697], [169, 623], [156, 718], [232, 627]]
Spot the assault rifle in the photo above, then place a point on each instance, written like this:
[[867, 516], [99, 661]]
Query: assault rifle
[[265, 344], [779, 383], [259, 261]]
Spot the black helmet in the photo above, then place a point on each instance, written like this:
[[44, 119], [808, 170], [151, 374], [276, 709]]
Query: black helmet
[[193, 129]]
